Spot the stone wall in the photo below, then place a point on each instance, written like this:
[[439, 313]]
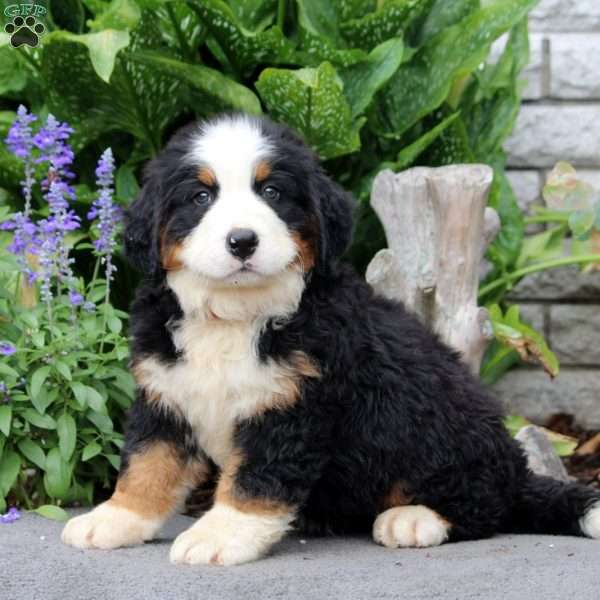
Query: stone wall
[[559, 120]]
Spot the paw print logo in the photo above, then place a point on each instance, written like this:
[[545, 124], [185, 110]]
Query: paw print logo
[[25, 31]]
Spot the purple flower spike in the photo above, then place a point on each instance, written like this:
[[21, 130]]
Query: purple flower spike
[[20, 137], [52, 141], [6, 349], [11, 516], [106, 212]]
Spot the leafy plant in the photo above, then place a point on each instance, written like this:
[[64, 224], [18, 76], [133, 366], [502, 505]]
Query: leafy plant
[[64, 383]]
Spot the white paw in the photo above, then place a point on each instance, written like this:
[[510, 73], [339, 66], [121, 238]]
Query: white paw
[[107, 527], [410, 527], [590, 522], [226, 536]]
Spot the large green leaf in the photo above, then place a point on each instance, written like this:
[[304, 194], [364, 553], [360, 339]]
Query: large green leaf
[[254, 15], [138, 100], [10, 466], [362, 81], [243, 48], [13, 70], [33, 452], [67, 435], [444, 14], [49, 511], [5, 419], [353, 9], [312, 102], [423, 84], [208, 81], [120, 14], [102, 46], [57, 478], [392, 20]]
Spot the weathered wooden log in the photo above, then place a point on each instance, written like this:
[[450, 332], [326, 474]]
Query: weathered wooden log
[[437, 227]]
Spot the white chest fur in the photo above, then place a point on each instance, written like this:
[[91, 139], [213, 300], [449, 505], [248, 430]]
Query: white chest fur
[[219, 378]]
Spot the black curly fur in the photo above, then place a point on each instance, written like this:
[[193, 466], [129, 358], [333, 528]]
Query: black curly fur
[[394, 404]]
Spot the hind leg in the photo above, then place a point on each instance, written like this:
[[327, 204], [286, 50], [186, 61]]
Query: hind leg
[[590, 522], [410, 527]]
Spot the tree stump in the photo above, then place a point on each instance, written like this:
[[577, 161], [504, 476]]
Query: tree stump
[[438, 228]]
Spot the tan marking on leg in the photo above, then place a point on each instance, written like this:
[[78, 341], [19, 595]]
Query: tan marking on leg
[[263, 170], [156, 481], [207, 176], [228, 493], [396, 496]]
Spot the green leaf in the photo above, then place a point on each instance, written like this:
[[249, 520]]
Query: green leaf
[[67, 14], [102, 422], [244, 49], [320, 37], [63, 368], [254, 15], [408, 155], [9, 371], [114, 460], [13, 71], [312, 102], [506, 247], [49, 511], [138, 100], [42, 421], [581, 222], [80, 393], [423, 84], [95, 400], [5, 419], [31, 451], [38, 379], [120, 14], [57, 478], [516, 335], [91, 450], [10, 465], [444, 14], [67, 435], [363, 80], [126, 185], [391, 21], [210, 82], [542, 246]]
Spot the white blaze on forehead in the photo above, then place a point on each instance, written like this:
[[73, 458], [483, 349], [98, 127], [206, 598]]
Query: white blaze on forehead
[[232, 147]]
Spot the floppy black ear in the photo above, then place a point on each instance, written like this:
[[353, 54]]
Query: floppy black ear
[[141, 225], [335, 207]]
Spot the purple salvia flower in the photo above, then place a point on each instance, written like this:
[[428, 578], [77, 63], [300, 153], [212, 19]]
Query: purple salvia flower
[[107, 213], [46, 261], [20, 142], [89, 307], [52, 141], [11, 516], [6, 348], [75, 298]]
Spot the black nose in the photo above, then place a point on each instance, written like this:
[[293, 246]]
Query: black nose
[[242, 242]]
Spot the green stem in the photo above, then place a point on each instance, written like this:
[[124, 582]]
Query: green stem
[[543, 219], [549, 264], [281, 6], [95, 274], [106, 302]]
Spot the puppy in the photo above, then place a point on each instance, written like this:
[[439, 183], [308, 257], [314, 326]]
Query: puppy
[[323, 406]]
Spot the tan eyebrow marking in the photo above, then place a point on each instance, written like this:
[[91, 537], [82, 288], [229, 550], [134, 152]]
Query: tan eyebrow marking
[[263, 170], [206, 176]]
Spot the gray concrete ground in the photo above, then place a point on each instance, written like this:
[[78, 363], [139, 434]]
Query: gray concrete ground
[[36, 566]]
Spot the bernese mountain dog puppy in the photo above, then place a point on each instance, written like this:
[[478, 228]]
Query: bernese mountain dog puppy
[[323, 406]]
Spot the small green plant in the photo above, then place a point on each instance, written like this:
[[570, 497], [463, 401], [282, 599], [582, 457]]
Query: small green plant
[[64, 383]]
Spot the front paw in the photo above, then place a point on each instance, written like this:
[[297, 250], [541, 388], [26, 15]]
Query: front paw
[[107, 527], [226, 536]]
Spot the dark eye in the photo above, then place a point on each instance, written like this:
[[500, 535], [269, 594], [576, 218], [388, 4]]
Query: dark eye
[[270, 193], [203, 197]]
